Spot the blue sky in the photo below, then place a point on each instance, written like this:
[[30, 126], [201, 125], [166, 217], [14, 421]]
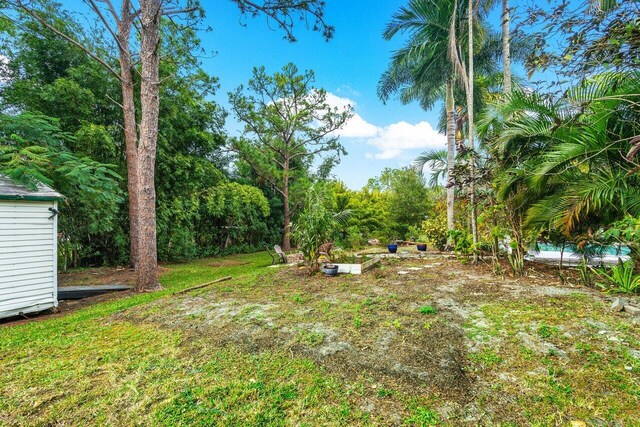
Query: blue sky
[[348, 67]]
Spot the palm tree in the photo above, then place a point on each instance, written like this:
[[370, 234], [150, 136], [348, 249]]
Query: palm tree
[[423, 70], [431, 66], [506, 55], [470, 119], [564, 160]]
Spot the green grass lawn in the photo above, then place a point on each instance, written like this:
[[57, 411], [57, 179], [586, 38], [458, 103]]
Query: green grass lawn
[[455, 346], [82, 369]]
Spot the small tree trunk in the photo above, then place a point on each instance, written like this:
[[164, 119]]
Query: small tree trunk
[[150, 105], [506, 48], [286, 237], [130, 131], [472, 187], [451, 142]]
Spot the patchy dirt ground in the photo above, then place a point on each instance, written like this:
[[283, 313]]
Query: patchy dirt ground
[[98, 276], [474, 348]]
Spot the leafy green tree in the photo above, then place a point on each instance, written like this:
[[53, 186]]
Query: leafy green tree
[[314, 226], [369, 214], [241, 209], [189, 161], [288, 123], [141, 125], [588, 37], [407, 203], [317, 223], [33, 150]]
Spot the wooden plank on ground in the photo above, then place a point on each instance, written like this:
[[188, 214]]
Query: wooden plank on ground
[[193, 288], [367, 265]]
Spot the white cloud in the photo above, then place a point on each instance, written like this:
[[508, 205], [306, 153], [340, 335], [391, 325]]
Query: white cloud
[[338, 101], [390, 140], [356, 127]]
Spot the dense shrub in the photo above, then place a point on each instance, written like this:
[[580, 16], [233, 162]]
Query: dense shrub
[[435, 232], [353, 238]]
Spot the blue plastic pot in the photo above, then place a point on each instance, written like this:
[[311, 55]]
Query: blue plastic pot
[[330, 269], [422, 247], [392, 248]]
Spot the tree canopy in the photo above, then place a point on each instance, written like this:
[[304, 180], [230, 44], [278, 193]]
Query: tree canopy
[[287, 124]]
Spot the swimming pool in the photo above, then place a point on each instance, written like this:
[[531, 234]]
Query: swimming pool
[[595, 255], [601, 250]]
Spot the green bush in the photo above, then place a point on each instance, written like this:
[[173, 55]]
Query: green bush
[[462, 242], [354, 238], [315, 226], [427, 309], [435, 232]]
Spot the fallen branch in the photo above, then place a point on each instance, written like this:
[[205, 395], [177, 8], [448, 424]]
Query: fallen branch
[[193, 288]]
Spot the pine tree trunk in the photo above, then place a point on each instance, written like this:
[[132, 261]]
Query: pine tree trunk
[[130, 131], [506, 48], [472, 187], [286, 237], [451, 142], [150, 105]]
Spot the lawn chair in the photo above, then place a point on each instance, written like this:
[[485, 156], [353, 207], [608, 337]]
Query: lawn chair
[[275, 258], [280, 253], [282, 257]]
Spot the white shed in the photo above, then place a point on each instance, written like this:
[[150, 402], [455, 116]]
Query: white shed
[[28, 248]]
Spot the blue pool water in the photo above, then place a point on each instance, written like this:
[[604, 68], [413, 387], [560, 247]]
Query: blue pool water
[[600, 250]]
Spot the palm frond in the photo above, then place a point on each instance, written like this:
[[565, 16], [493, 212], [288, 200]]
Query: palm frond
[[436, 160]]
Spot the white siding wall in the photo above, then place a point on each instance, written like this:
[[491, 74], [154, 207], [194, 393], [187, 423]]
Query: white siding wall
[[28, 252]]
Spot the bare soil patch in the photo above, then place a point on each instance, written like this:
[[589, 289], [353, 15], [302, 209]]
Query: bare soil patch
[[98, 276]]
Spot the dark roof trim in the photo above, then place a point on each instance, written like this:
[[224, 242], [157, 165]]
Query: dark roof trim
[[9, 190], [32, 198]]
